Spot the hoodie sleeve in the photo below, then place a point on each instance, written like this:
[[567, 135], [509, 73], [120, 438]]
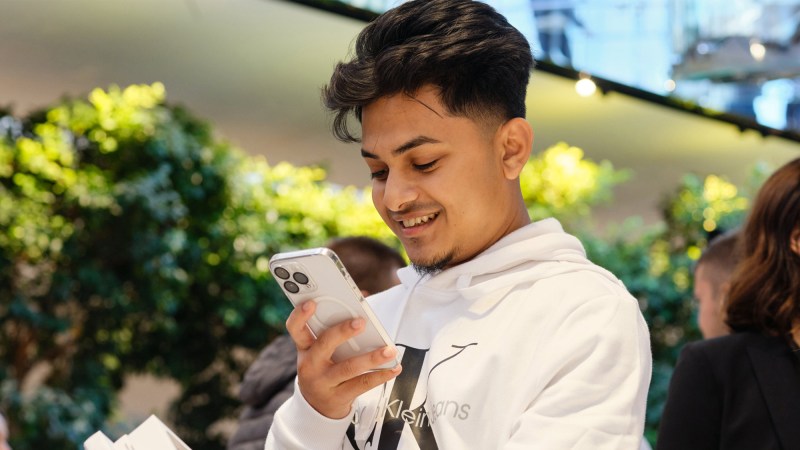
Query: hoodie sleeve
[[298, 425], [595, 370]]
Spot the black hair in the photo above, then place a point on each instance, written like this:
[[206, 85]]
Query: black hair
[[478, 61]]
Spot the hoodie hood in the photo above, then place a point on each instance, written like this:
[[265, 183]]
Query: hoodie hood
[[539, 250]]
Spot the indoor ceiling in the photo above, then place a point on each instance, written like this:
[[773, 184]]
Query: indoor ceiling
[[253, 69]]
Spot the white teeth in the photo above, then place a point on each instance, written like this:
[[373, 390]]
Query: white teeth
[[417, 220]]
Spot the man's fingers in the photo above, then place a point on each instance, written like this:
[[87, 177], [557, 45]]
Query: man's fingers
[[354, 387], [358, 365], [322, 348], [337, 335], [296, 325]]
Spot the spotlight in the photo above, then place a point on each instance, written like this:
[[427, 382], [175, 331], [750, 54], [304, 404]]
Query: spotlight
[[585, 86], [757, 50]]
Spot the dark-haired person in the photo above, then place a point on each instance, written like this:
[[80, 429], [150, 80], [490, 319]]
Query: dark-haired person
[[269, 381], [742, 391], [509, 337], [712, 276]]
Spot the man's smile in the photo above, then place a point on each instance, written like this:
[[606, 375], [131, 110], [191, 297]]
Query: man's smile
[[417, 221]]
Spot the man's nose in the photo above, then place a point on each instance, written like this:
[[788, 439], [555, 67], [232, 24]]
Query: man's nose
[[399, 192]]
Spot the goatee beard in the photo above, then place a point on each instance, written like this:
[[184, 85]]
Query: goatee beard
[[432, 268]]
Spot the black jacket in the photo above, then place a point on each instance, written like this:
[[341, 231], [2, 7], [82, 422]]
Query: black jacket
[[735, 392], [267, 384]]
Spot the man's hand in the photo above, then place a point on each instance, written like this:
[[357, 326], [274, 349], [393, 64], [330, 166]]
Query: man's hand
[[330, 387]]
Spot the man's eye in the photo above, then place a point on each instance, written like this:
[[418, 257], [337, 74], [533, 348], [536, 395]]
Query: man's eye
[[424, 167], [379, 174]]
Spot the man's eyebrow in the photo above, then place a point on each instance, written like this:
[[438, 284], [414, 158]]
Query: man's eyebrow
[[408, 145]]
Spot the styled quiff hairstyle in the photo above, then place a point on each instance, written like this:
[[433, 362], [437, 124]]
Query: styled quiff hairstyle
[[478, 61], [765, 292]]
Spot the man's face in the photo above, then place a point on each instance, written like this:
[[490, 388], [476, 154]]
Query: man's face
[[438, 180], [709, 300]]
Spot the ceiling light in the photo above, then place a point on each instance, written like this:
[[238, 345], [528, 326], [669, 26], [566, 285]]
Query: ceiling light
[[757, 50], [585, 87]]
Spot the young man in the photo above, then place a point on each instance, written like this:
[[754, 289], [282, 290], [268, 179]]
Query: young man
[[509, 337], [712, 277]]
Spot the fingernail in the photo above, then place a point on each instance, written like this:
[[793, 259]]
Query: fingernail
[[388, 352], [357, 323], [306, 306], [397, 369]]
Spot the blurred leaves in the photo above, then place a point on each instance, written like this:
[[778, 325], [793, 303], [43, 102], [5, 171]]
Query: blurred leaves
[[132, 240], [561, 183]]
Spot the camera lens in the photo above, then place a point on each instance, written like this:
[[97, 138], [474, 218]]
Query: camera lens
[[291, 287], [300, 278], [282, 273]]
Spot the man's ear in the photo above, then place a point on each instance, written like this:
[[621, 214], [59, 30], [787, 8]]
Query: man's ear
[[794, 242], [515, 138]]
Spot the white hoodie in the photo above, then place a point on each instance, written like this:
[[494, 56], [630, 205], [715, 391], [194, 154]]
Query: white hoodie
[[527, 346]]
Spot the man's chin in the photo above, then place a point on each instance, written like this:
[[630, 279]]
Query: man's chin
[[431, 266]]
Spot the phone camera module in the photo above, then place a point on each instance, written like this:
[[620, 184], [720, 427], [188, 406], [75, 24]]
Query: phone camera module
[[282, 273], [300, 277], [291, 287]]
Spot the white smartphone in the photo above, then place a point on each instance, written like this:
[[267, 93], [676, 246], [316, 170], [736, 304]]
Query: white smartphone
[[318, 274]]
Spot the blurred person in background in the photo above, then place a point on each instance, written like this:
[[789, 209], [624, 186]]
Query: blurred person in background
[[269, 381], [553, 18], [712, 276], [742, 391]]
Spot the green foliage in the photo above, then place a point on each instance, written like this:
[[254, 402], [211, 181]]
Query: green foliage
[[48, 417], [132, 240], [561, 183]]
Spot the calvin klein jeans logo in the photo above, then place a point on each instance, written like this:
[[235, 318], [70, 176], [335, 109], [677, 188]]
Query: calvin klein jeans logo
[[401, 414]]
